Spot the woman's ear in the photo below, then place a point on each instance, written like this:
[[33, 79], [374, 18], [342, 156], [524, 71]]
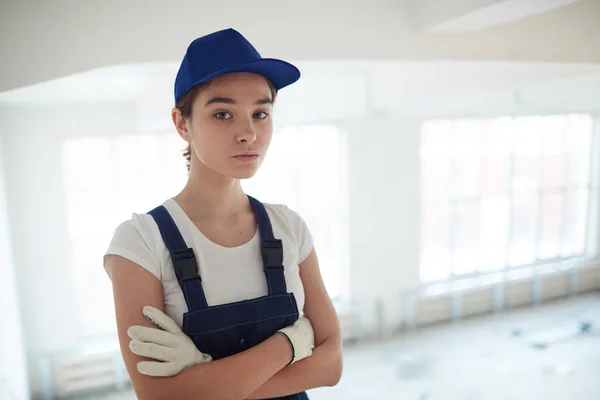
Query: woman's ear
[[181, 124]]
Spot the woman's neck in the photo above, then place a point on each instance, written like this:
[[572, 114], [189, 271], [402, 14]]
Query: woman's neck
[[209, 194]]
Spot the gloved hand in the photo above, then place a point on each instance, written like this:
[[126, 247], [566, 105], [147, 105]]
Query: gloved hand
[[173, 349], [301, 337]]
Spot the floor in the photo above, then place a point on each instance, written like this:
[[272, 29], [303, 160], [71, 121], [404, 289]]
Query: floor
[[505, 356]]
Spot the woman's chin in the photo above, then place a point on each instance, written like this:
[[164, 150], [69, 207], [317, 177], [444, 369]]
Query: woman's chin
[[245, 173]]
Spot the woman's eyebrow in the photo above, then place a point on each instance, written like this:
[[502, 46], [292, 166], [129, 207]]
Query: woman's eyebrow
[[228, 100]]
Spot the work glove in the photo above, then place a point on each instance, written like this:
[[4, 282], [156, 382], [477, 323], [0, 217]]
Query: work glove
[[301, 337], [173, 349]]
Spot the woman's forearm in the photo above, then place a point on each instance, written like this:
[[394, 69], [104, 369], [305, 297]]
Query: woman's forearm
[[230, 378], [323, 368]]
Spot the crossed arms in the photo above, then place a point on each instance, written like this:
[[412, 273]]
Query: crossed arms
[[259, 372]]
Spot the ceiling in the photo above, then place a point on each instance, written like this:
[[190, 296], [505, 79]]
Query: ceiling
[[42, 41], [475, 15]]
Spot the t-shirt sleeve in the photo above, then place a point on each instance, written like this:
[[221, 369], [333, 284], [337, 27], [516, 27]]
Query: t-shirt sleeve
[[302, 233], [133, 240]]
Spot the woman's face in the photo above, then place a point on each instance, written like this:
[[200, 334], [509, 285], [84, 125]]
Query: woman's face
[[230, 128]]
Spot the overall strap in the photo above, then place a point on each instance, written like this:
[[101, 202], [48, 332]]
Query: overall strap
[[183, 258], [271, 250]]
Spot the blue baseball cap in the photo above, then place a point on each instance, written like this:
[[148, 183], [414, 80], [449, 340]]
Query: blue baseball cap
[[228, 51]]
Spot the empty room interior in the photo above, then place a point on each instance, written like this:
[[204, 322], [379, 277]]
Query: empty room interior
[[432, 177]]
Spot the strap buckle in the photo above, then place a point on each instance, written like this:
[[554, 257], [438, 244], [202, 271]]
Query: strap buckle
[[272, 253], [185, 265]]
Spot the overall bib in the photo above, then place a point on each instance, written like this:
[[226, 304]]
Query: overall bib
[[228, 329]]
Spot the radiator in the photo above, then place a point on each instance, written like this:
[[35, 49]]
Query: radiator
[[527, 291], [68, 375]]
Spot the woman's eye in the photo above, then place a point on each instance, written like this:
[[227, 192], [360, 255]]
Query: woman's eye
[[222, 115], [261, 115]]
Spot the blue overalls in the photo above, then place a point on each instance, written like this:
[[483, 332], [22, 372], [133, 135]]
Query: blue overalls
[[228, 329]]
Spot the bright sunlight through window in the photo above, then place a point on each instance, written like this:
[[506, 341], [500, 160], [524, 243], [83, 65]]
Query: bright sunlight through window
[[503, 193]]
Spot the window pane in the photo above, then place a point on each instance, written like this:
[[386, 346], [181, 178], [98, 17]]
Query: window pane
[[468, 138], [522, 244], [435, 242], [550, 220], [275, 181], [140, 160], [553, 150], [553, 134], [318, 181], [527, 143], [82, 158], [133, 156], [526, 173], [576, 209], [497, 137], [93, 289], [466, 152], [436, 178], [553, 170], [436, 140], [578, 143], [465, 177], [465, 227], [578, 167], [527, 135], [327, 235], [494, 232], [496, 173]]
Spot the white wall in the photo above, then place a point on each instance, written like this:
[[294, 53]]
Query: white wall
[[13, 365], [384, 215]]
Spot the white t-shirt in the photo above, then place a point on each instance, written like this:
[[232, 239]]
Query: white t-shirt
[[229, 274]]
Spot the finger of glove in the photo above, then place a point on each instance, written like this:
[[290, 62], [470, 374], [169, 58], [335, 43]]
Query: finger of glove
[[161, 319], [202, 358], [152, 350], [153, 368], [153, 335]]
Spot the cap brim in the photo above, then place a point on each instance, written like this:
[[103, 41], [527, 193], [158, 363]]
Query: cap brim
[[280, 73]]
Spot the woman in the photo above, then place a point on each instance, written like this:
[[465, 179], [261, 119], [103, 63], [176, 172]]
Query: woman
[[217, 295]]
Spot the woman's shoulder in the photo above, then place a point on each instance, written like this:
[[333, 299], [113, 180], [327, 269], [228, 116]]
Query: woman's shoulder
[[139, 230], [136, 238], [138, 223], [290, 220], [283, 213]]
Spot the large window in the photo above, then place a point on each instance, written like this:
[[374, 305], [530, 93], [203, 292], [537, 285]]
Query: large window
[[503, 193], [109, 178], [106, 180]]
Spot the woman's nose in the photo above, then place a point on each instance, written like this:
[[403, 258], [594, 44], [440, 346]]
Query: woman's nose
[[246, 132]]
